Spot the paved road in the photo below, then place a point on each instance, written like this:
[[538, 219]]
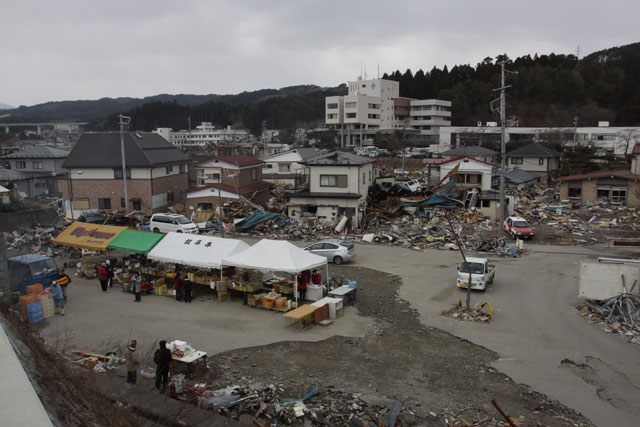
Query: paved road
[[535, 324]]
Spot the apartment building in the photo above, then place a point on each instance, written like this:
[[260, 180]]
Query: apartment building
[[375, 105], [204, 135]]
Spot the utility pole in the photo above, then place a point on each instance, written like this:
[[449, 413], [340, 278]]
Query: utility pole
[[575, 132], [124, 120], [502, 141]]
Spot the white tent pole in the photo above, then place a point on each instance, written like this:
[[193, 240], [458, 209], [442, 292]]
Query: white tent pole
[[295, 287], [326, 264]]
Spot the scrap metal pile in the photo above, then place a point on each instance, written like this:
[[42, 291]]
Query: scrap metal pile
[[620, 314]]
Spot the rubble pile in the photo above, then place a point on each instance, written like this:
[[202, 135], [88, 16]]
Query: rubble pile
[[482, 313], [35, 240], [620, 314]]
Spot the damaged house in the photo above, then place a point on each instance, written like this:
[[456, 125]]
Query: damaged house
[[614, 187], [338, 185], [287, 168]]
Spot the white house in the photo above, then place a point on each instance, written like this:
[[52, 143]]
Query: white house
[[203, 135], [287, 168], [471, 172], [338, 185]]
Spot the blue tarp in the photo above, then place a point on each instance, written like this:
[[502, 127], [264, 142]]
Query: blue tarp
[[258, 217], [434, 200]]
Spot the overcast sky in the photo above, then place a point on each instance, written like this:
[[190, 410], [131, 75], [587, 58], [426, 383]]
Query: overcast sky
[[53, 50]]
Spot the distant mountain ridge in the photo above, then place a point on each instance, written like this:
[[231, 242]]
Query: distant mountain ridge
[[91, 110], [5, 106]]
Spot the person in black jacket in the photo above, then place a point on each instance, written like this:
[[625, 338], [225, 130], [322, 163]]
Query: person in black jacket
[[186, 283], [162, 359]]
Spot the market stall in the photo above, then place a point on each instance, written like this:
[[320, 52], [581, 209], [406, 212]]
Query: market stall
[[135, 241], [88, 236], [276, 256], [195, 250]]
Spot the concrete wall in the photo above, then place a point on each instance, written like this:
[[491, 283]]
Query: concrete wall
[[600, 281], [10, 221]]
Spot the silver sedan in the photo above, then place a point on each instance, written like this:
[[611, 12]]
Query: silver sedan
[[336, 251]]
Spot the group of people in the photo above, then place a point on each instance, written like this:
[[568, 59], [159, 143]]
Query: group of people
[[106, 275], [182, 287], [304, 279], [162, 359]]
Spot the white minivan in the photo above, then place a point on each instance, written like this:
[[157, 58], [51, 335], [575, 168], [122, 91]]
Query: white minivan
[[167, 222]]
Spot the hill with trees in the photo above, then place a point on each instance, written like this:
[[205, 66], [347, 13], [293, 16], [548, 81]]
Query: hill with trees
[[549, 90]]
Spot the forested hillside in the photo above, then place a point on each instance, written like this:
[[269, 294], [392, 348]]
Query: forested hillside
[[549, 90]]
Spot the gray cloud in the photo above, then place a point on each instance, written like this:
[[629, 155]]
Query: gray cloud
[[91, 49]]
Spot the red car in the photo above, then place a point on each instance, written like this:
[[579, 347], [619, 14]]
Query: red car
[[518, 227]]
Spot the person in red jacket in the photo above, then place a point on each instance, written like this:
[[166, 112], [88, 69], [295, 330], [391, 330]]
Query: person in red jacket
[[316, 278], [178, 284], [103, 277], [302, 287]]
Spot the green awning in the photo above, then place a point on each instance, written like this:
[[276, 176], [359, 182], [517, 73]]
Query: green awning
[[135, 241]]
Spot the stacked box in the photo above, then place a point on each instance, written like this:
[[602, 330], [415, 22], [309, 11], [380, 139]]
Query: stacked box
[[48, 308], [25, 300], [224, 297], [281, 302], [253, 300], [268, 302], [161, 290], [34, 289], [34, 312]]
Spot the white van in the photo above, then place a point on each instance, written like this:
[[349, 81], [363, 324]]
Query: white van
[[167, 222]]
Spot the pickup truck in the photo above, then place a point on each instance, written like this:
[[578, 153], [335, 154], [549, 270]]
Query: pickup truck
[[29, 269], [482, 273]]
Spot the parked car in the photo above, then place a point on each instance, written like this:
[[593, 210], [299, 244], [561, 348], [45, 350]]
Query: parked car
[[518, 227], [412, 186], [336, 251], [168, 222], [482, 273], [400, 172]]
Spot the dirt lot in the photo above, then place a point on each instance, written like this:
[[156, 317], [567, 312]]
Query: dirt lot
[[430, 371]]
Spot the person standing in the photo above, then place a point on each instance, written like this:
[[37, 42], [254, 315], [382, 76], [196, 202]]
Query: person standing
[[316, 278], [302, 287], [64, 280], [187, 290], [110, 274], [133, 362], [135, 285], [178, 285], [162, 359], [58, 298], [103, 277]]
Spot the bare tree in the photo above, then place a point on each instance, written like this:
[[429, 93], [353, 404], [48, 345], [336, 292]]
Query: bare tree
[[630, 137]]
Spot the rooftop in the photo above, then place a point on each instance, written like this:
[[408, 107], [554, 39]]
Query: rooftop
[[240, 160], [602, 174], [471, 150], [39, 152], [338, 158], [102, 150], [533, 150]]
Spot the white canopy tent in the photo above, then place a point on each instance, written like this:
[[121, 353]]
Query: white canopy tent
[[275, 255], [195, 250]]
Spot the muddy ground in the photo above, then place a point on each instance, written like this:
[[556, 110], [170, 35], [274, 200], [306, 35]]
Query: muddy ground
[[431, 372]]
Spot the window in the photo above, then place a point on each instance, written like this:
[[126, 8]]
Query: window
[[364, 177], [36, 164], [373, 116], [332, 106], [332, 116], [117, 173], [205, 207], [541, 161], [122, 203], [351, 105], [333, 180], [351, 115], [182, 168], [486, 203], [619, 195], [21, 164], [374, 106], [369, 176], [104, 203], [170, 197], [284, 168], [254, 174], [136, 204], [516, 160], [169, 169], [575, 193]]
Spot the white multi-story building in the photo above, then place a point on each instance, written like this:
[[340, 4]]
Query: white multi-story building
[[204, 135], [372, 106], [604, 139]]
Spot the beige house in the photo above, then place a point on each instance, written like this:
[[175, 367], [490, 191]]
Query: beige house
[[287, 168], [535, 158], [338, 185], [621, 188], [635, 159]]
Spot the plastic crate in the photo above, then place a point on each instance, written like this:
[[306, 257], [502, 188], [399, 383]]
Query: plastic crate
[[34, 312], [34, 289]]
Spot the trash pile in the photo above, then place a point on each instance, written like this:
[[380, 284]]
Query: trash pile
[[482, 313], [620, 314], [34, 240]]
